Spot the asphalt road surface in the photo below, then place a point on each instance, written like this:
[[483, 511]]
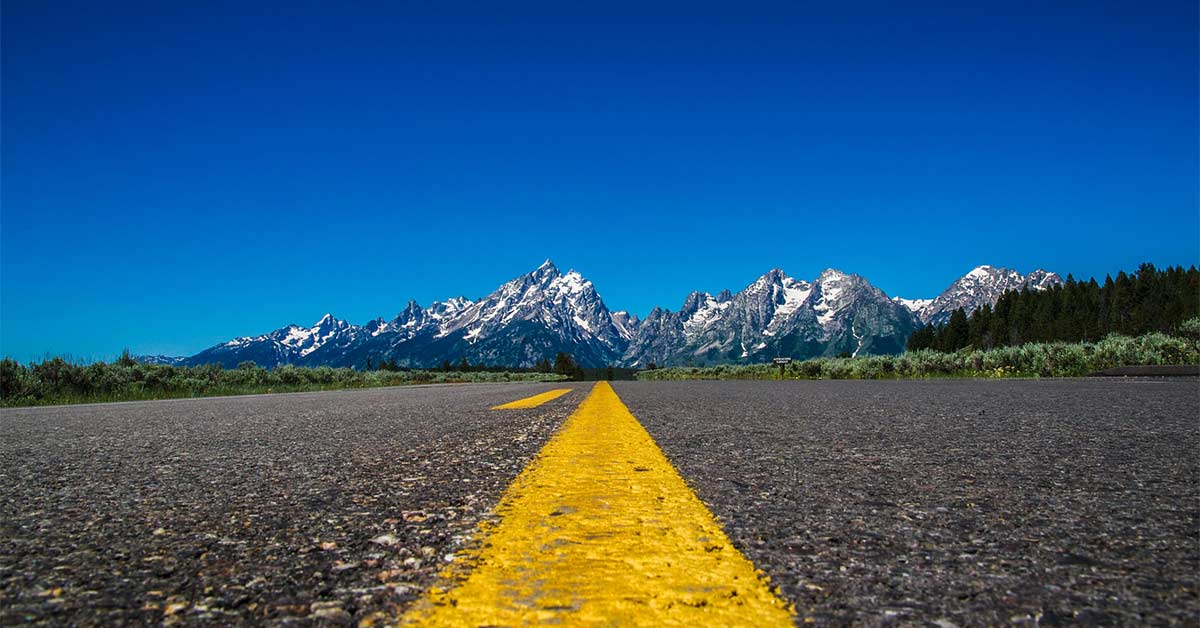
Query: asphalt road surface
[[937, 502], [337, 505], [968, 502]]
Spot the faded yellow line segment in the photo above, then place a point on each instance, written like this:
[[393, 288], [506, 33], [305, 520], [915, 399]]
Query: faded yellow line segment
[[601, 529], [534, 401]]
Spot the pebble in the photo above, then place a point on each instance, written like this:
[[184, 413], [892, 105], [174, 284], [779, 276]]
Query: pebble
[[272, 502], [900, 495]]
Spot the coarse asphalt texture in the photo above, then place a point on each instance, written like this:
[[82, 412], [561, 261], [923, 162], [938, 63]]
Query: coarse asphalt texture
[[966, 502], [332, 506], [943, 502]]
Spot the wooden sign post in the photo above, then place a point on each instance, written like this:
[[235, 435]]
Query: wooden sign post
[[782, 362]]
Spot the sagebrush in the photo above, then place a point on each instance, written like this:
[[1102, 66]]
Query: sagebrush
[[60, 381], [1050, 359]]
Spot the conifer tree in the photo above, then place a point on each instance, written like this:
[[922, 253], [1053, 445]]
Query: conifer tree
[[1150, 300], [958, 331]]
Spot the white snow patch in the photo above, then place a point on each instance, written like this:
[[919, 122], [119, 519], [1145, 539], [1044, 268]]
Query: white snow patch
[[825, 314], [980, 272], [573, 282], [832, 286], [297, 336], [716, 344], [709, 312], [858, 338], [795, 294], [913, 305]]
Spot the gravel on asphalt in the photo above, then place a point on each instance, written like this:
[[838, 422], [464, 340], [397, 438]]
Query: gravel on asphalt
[[950, 502], [335, 507], [940, 502]]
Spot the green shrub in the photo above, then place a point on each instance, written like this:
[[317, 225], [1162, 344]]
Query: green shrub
[[59, 381], [1190, 329], [1054, 359]]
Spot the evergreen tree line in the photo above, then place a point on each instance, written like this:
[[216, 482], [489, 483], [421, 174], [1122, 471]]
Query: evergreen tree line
[[1148, 301], [462, 366], [564, 364]]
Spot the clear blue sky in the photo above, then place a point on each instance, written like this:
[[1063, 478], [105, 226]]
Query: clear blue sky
[[174, 176]]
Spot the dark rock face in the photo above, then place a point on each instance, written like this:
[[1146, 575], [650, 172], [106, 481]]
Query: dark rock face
[[776, 315], [544, 312]]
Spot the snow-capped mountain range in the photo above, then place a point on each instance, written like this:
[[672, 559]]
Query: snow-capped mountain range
[[545, 311], [984, 284]]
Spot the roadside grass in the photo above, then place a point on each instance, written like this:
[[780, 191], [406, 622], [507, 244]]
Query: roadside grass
[[1051, 359], [58, 382]]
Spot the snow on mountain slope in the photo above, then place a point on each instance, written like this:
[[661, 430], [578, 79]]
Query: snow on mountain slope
[[542, 312], [567, 303], [286, 345], [913, 305], [774, 315], [982, 285]]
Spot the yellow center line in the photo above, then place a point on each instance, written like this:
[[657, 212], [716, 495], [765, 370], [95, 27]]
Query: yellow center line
[[534, 401], [601, 529]]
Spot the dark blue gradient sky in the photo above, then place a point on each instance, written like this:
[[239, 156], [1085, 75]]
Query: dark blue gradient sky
[[175, 175]]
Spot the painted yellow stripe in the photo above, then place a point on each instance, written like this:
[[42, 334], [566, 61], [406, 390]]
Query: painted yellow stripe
[[601, 529], [534, 401]]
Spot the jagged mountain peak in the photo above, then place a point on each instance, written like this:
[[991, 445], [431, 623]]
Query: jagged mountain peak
[[625, 323], [563, 309], [625, 314], [1042, 279], [982, 285], [546, 271], [775, 315], [539, 313], [694, 302], [775, 287], [773, 277], [412, 312], [376, 326], [834, 274], [441, 310], [330, 321], [987, 272]]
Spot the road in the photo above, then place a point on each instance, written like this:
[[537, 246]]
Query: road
[[969, 502], [960, 502]]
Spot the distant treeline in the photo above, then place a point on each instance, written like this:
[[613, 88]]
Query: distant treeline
[[56, 380], [1150, 300], [564, 364]]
